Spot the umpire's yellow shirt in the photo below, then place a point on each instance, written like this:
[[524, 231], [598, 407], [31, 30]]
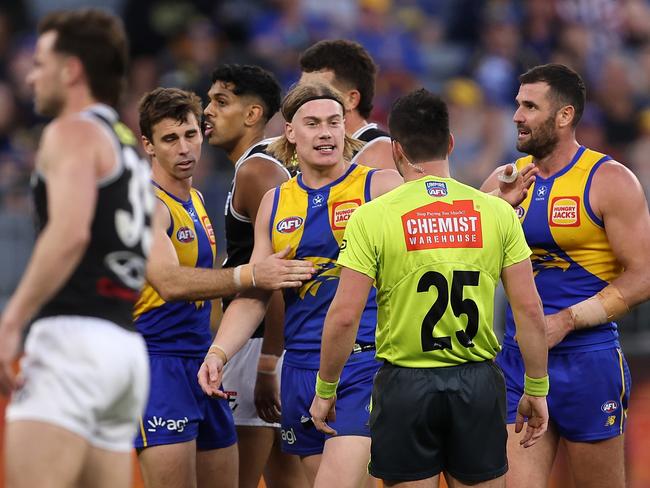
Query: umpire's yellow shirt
[[435, 248]]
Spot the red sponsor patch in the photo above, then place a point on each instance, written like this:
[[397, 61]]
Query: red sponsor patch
[[565, 212], [341, 212], [443, 225], [208, 228], [289, 224]]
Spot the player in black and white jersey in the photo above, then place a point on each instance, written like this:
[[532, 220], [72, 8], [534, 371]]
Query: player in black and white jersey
[[84, 378], [242, 99], [348, 67]]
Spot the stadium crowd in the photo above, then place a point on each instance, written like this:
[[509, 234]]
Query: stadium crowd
[[471, 51]]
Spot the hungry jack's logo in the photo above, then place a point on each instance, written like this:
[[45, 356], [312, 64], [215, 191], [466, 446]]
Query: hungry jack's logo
[[341, 212], [443, 225], [565, 212]]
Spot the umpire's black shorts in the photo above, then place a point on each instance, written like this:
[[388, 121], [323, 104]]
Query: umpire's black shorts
[[427, 420]]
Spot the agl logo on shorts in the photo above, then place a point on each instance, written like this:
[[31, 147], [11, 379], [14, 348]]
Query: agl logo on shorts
[[565, 212]]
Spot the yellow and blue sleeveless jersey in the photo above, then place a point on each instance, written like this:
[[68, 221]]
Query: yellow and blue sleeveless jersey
[[180, 328], [312, 222], [572, 258], [436, 249]]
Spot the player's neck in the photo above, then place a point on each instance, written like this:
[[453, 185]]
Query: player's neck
[[559, 158], [249, 139], [317, 177], [179, 188], [78, 99], [437, 168], [353, 122]]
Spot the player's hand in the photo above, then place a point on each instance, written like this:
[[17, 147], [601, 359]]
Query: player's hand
[[515, 192], [10, 339], [536, 411], [210, 375], [275, 272], [558, 325], [267, 397], [323, 409]]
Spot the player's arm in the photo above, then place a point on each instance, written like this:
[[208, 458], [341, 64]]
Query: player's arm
[[175, 282], [255, 177], [618, 199], [69, 158], [377, 155], [514, 192], [267, 392], [531, 335], [243, 315], [384, 181], [339, 334]]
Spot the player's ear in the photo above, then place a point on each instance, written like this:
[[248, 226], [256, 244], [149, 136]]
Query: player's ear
[[289, 132], [451, 145], [352, 100], [254, 113], [148, 146], [565, 115]]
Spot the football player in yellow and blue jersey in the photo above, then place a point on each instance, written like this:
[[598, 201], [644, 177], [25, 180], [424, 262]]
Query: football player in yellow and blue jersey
[[436, 250], [348, 67], [309, 213], [586, 221], [186, 438]]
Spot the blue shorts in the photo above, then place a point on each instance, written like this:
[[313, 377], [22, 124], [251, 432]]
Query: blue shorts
[[588, 396], [179, 411], [352, 405]]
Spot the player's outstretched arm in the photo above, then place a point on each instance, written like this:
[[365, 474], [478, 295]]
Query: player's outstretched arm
[[617, 198], [509, 184], [175, 282], [243, 315], [531, 336]]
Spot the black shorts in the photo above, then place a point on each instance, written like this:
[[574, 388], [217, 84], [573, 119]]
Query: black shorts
[[427, 420]]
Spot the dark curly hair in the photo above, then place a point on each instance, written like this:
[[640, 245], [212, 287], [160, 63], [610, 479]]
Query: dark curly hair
[[250, 80]]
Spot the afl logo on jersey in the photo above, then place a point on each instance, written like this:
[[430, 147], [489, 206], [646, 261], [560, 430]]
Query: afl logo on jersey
[[436, 188], [609, 406], [185, 235], [289, 224], [565, 212]]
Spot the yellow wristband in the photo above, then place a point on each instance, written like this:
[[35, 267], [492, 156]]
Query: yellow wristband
[[537, 387], [325, 389]]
